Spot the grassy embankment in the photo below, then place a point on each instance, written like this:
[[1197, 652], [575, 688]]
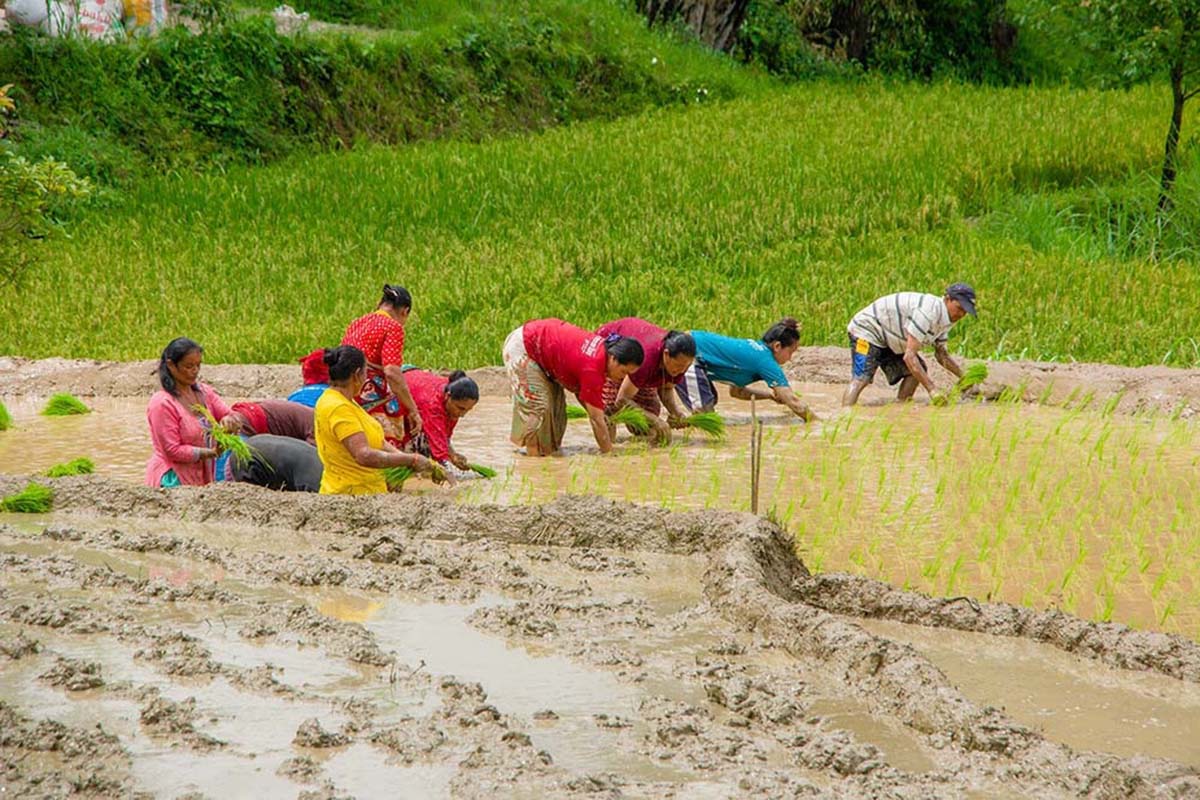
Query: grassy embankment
[[807, 201]]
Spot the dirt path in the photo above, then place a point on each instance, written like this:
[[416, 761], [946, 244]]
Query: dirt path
[[228, 639], [1159, 388]]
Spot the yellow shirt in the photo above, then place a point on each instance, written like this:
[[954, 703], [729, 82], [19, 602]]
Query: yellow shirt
[[335, 420]]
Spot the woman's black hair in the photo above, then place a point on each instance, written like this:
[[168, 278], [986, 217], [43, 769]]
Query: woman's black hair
[[343, 361], [174, 352], [625, 350], [460, 387], [679, 343], [786, 332], [396, 297]]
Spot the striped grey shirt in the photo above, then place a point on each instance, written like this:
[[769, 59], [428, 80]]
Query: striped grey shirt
[[886, 322]]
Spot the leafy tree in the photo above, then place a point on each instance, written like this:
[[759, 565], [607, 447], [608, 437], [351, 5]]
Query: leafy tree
[[1142, 40]]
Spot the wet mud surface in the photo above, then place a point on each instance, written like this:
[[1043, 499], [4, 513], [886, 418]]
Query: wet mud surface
[[226, 642]]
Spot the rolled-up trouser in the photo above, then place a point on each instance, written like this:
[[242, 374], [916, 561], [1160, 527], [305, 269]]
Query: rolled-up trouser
[[539, 402], [696, 391]]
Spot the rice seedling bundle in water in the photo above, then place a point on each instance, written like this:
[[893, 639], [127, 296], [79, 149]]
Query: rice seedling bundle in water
[[236, 445], [5, 418], [33, 499], [709, 423], [576, 412], [633, 417], [64, 405], [480, 469], [78, 466]]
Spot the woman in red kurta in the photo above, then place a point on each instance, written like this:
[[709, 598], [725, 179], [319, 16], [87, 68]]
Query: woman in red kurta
[[183, 450], [443, 401], [380, 336]]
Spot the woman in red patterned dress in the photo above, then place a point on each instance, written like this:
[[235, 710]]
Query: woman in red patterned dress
[[380, 335]]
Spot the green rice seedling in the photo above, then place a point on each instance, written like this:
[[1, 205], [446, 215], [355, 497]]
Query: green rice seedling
[[33, 499], [5, 418], [239, 451], [481, 470], [78, 466], [972, 376], [710, 423], [396, 476], [635, 418], [64, 405], [576, 412]]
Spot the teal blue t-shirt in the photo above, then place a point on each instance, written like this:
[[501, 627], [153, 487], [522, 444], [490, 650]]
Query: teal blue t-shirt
[[737, 361]]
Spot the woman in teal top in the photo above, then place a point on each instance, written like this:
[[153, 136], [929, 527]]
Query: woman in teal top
[[740, 362]]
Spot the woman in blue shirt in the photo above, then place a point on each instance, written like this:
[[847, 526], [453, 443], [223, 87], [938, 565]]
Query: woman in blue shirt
[[740, 362]]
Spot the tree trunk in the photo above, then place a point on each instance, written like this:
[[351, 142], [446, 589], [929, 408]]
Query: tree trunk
[[1165, 202], [715, 22]]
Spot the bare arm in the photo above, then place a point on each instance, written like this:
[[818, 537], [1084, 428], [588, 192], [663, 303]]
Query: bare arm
[[399, 387], [626, 393], [746, 393], [785, 395], [913, 361], [599, 428], [946, 360], [366, 456], [670, 400]]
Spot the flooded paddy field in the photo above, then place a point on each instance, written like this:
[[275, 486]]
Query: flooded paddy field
[[906, 624]]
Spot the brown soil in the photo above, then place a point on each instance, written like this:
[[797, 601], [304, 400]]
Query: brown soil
[[710, 647]]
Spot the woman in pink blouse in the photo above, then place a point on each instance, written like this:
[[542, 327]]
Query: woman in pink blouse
[[183, 450]]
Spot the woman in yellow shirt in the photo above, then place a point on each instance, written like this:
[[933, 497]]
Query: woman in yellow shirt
[[349, 440]]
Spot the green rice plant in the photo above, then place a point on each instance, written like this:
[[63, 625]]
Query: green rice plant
[[972, 376], [576, 412], [33, 499], [710, 423], [239, 451], [78, 466], [633, 417], [481, 470], [5, 417], [64, 405], [396, 476]]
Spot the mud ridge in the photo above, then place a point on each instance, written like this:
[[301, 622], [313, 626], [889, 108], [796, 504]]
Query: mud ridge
[[1108, 642]]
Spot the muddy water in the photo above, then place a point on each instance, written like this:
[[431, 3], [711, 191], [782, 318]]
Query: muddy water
[[1093, 513], [1075, 701]]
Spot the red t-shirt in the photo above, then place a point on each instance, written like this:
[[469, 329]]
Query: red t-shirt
[[572, 356], [651, 374], [428, 391], [380, 338]]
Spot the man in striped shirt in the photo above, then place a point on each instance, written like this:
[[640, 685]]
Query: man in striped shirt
[[889, 335]]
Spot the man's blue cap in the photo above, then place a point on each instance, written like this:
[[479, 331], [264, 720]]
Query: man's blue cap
[[964, 294]]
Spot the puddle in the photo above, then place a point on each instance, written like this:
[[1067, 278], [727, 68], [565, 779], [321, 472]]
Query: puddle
[[363, 771], [522, 684], [1078, 702]]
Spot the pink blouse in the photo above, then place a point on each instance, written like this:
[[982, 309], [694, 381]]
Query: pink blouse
[[177, 434]]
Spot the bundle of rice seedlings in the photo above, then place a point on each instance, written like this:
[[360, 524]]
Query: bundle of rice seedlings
[[239, 451], [709, 423], [480, 469], [64, 405], [5, 418], [972, 376], [634, 417], [33, 499], [396, 476], [576, 412], [78, 466]]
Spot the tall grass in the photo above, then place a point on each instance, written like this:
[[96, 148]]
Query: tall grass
[[810, 201]]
